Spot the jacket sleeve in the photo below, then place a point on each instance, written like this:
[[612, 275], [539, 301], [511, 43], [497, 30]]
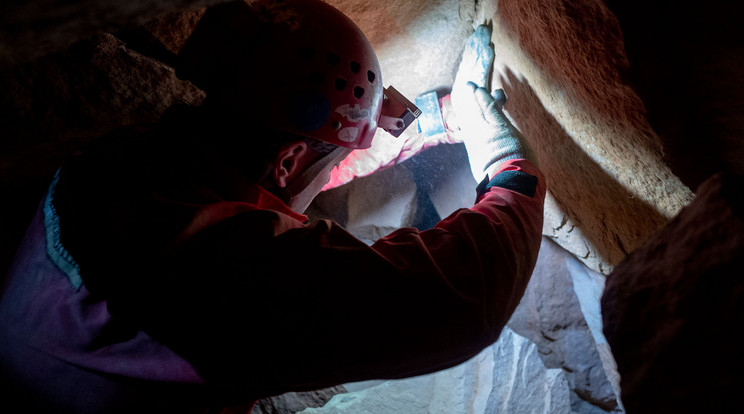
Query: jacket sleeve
[[316, 307], [482, 257], [485, 254]]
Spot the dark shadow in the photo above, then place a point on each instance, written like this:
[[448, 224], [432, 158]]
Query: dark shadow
[[686, 65], [144, 42], [20, 201], [430, 169]]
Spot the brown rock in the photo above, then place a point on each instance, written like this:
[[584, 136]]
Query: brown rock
[[672, 308], [563, 65]]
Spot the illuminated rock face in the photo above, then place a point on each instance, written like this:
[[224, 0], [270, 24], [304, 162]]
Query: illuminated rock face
[[621, 138]]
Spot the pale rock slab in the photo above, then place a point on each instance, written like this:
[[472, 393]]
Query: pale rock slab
[[560, 313], [507, 377]]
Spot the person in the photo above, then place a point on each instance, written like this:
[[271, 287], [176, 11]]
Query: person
[[170, 267]]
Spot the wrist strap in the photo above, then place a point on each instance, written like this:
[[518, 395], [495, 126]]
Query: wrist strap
[[518, 181]]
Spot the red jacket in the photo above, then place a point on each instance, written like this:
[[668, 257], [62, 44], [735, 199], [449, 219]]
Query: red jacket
[[259, 302]]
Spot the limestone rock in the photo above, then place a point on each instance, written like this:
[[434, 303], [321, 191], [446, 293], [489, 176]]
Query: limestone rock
[[560, 314], [507, 377], [293, 402], [602, 160], [669, 309], [561, 228], [417, 193], [374, 216]]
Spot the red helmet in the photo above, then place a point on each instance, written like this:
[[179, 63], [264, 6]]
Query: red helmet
[[299, 66]]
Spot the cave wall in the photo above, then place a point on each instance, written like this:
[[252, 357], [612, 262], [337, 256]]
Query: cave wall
[[686, 66], [563, 65], [669, 308]]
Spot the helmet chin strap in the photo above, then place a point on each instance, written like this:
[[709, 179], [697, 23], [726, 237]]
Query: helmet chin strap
[[302, 181]]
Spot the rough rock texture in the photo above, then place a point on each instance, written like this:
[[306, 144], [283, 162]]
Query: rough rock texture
[[417, 192], [560, 314], [670, 308], [564, 68], [562, 65], [507, 377], [293, 402]]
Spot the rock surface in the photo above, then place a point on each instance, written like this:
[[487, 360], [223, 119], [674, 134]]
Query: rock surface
[[670, 308], [562, 65], [293, 402], [506, 377], [610, 186], [560, 314]]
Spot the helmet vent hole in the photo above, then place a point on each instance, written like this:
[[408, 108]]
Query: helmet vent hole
[[316, 78], [306, 53], [371, 76], [355, 67], [340, 84], [358, 92], [336, 125], [333, 59]]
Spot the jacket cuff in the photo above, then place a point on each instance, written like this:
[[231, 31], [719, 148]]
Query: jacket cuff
[[510, 177]]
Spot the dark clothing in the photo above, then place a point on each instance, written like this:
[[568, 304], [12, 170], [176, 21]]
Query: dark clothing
[[194, 277]]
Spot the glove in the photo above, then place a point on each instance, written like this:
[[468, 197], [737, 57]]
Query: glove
[[489, 136]]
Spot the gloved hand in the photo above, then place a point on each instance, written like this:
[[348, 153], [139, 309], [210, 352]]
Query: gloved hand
[[489, 136]]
